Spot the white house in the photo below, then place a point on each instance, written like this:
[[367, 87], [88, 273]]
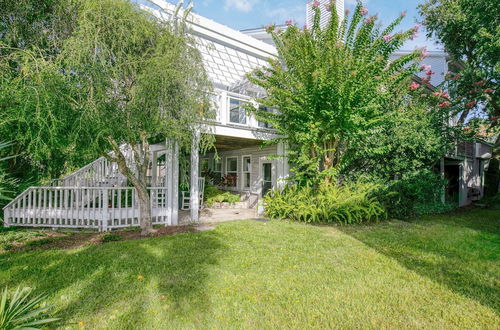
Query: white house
[[97, 196]]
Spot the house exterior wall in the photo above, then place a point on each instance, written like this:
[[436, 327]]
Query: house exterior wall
[[258, 156]]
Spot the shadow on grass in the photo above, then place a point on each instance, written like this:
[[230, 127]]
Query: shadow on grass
[[125, 278], [460, 250]]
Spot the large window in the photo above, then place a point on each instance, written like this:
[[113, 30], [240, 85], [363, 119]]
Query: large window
[[231, 171], [217, 171], [265, 109], [237, 112], [246, 171]]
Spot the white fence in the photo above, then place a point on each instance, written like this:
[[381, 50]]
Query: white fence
[[101, 208]]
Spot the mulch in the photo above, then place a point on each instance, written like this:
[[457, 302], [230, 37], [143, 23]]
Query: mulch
[[73, 240]]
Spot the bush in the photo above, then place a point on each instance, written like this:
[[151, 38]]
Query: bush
[[346, 204], [110, 237], [214, 195], [20, 311], [414, 195]]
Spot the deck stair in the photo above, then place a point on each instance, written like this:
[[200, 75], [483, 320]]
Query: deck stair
[[94, 197]]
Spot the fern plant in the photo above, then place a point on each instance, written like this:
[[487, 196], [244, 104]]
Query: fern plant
[[347, 204], [21, 311]]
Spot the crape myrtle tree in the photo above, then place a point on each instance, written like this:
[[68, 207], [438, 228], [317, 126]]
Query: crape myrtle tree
[[129, 79], [470, 32], [333, 86]]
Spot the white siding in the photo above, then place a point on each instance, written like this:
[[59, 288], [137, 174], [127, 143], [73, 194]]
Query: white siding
[[325, 15]]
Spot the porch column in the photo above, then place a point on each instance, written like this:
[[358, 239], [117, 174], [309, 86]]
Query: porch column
[[172, 180], [175, 184], [194, 202], [154, 169], [282, 168]]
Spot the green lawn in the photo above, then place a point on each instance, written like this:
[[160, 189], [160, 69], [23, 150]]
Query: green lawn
[[436, 272]]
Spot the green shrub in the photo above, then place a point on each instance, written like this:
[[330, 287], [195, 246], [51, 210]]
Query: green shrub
[[110, 237], [414, 195], [20, 311], [345, 204], [214, 195]]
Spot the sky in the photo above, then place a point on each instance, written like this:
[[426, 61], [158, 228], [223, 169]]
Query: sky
[[245, 14]]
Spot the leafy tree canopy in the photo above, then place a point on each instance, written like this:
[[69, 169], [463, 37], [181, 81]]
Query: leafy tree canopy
[[470, 32], [338, 94]]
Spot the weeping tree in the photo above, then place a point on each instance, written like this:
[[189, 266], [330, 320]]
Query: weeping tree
[[128, 79], [333, 84]]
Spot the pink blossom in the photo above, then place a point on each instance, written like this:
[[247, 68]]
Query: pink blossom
[[430, 73], [444, 104], [305, 26], [439, 93], [480, 83], [387, 37], [316, 4], [328, 7], [471, 104], [456, 77], [347, 11], [445, 95], [488, 90], [403, 14], [425, 67], [414, 86], [495, 118], [288, 22], [363, 11], [415, 31], [270, 27], [424, 53], [370, 19]]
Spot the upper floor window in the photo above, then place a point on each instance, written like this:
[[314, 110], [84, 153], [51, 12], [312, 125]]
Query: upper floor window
[[265, 109], [237, 112]]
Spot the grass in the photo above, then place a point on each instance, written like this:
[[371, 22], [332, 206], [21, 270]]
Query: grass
[[435, 272]]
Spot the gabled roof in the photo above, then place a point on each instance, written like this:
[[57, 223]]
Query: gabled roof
[[227, 54]]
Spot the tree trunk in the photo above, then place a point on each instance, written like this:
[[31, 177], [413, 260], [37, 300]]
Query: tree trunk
[[138, 180], [145, 219]]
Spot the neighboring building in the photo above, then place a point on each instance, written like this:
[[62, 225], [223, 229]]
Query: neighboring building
[[97, 195]]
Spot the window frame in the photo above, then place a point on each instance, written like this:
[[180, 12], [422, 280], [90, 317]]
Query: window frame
[[236, 172], [244, 173], [241, 101]]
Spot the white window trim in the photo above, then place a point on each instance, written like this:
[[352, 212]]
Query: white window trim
[[228, 105], [226, 172], [244, 172]]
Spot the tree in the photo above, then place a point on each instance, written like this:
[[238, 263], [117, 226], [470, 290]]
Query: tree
[[470, 32], [127, 78], [332, 85]]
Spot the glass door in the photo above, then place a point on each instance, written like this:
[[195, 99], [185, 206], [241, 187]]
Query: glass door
[[267, 178]]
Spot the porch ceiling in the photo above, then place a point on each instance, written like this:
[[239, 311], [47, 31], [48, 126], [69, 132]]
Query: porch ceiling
[[232, 143]]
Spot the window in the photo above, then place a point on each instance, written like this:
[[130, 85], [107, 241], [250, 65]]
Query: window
[[265, 109], [217, 171], [237, 112], [231, 171], [204, 166], [247, 170]]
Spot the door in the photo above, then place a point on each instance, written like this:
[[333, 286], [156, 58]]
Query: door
[[267, 178]]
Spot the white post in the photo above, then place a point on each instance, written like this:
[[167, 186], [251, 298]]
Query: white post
[[167, 180], [175, 184], [282, 167], [6, 216], [154, 169], [194, 201], [105, 211]]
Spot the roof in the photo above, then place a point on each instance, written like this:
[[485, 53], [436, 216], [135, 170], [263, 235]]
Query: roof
[[228, 54]]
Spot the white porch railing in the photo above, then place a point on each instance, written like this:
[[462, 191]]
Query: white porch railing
[[101, 208], [100, 172]]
